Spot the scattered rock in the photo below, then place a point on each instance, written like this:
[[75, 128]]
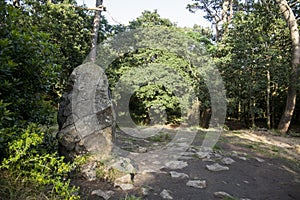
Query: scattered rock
[[197, 183], [202, 154], [208, 159], [176, 164], [227, 161], [246, 182], [217, 155], [142, 149], [260, 160], [156, 162], [104, 194], [242, 158], [123, 164], [216, 167], [125, 186], [124, 182], [124, 179], [89, 171], [146, 190], [243, 154], [222, 195], [178, 175], [187, 154], [165, 194], [234, 153]]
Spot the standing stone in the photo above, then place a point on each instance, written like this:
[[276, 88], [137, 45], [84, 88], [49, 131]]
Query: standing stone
[[86, 116]]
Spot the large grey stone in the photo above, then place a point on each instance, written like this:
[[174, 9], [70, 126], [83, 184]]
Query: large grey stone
[[86, 116]]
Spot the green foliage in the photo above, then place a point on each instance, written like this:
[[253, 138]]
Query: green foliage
[[159, 79], [148, 19], [27, 68], [33, 163], [256, 45], [132, 197]]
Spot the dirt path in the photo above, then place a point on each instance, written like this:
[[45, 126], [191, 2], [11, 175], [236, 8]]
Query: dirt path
[[260, 169]]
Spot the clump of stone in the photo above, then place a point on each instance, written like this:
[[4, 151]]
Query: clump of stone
[[86, 116]]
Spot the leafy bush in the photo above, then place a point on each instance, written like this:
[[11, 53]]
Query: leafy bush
[[31, 162]]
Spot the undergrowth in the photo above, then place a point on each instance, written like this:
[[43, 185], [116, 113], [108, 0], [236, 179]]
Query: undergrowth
[[33, 171]]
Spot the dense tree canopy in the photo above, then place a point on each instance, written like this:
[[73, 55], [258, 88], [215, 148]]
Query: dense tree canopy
[[257, 52]]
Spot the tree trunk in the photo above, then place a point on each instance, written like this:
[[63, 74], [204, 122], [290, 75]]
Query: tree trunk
[[268, 99], [96, 25], [230, 11], [292, 89], [16, 3], [224, 14]]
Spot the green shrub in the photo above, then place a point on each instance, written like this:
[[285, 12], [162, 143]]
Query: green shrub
[[31, 162]]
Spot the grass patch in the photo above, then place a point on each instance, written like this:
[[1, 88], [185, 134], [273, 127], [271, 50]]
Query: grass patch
[[132, 197], [107, 173], [161, 137]]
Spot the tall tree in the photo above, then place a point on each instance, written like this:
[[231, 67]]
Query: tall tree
[[148, 19], [291, 20], [219, 12], [254, 60], [96, 25]]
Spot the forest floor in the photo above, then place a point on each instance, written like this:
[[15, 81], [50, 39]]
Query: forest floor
[[266, 166]]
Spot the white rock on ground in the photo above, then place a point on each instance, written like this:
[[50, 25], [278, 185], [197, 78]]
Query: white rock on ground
[[146, 190], [216, 167], [176, 164], [222, 195], [124, 186], [202, 154], [178, 175], [197, 183], [227, 161], [124, 179], [242, 158], [236, 154], [208, 159], [124, 182], [260, 160], [165, 194], [104, 194]]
